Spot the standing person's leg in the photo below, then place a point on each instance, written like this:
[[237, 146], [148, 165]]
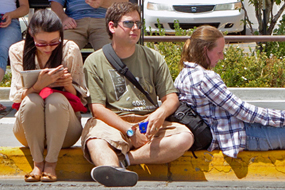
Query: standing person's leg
[[29, 129], [98, 35], [79, 34], [8, 36], [264, 138], [63, 129]]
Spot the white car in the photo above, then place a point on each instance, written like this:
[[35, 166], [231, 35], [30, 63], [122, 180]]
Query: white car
[[226, 15]]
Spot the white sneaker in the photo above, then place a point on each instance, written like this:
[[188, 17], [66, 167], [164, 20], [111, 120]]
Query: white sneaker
[[114, 177]]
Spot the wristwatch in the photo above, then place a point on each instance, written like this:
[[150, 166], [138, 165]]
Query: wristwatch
[[130, 132]]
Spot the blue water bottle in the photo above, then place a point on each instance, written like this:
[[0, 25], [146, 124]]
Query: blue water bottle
[[143, 126]]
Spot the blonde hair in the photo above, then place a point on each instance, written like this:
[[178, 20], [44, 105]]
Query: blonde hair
[[194, 50]]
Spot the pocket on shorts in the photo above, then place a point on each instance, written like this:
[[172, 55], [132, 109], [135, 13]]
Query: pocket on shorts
[[257, 144]]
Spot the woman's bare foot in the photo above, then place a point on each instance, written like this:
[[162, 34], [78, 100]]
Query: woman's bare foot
[[50, 168], [38, 168], [2, 107]]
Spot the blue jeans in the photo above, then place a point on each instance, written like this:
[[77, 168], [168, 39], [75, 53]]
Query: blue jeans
[[263, 138], [8, 36]]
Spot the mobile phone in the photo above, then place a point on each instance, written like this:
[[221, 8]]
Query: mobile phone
[[50, 69], [143, 126], [1, 16]]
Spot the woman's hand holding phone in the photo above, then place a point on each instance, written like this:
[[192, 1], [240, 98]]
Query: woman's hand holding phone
[[48, 77], [64, 81]]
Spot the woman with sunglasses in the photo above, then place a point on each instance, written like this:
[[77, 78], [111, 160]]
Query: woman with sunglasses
[[49, 111]]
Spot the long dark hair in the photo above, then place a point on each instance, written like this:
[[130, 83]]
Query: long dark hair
[[43, 20]]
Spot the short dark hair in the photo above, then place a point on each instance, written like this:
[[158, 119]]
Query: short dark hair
[[43, 20], [116, 11]]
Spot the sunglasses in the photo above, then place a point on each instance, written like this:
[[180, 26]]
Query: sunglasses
[[130, 24], [50, 44]]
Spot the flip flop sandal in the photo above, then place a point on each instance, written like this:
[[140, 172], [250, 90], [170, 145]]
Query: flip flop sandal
[[32, 178], [47, 177]]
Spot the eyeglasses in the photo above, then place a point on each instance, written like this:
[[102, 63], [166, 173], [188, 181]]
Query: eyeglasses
[[50, 44], [130, 24]]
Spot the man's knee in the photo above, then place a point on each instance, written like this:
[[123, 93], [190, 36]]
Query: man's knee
[[185, 141], [94, 144]]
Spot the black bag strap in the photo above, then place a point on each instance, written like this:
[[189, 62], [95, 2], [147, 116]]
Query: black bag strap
[[117, 63]]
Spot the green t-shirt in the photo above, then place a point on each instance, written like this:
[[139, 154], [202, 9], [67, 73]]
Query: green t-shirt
[[113, 90]]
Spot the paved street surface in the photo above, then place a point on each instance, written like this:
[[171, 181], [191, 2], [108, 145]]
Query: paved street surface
[[144, 185]]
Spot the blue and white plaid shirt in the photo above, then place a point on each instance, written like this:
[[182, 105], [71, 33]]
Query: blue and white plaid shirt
[[225, 113]]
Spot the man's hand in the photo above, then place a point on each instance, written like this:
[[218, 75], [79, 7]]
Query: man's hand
[[155, 121], [69, 23], [94, 3], [138, 139]]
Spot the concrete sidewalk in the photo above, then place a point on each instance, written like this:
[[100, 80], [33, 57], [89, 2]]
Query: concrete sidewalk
[[15, 160]]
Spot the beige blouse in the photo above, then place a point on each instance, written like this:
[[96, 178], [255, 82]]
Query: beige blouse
[[72, 60]]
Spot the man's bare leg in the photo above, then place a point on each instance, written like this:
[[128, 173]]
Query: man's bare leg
[[101, 153], [162, 150], [107, 171]]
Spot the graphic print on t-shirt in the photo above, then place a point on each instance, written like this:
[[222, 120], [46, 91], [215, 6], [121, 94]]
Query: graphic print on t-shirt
[[119, 83]]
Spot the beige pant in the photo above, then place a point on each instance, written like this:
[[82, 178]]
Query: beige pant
[[95, 128], [50, 122], [92, 30]]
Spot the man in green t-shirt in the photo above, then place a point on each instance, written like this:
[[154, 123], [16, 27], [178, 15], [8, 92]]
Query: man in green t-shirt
[[111, 139]]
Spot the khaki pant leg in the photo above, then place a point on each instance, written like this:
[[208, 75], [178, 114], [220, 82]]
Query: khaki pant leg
[[98, 35], [79, 34], [29, 127], [63, 127]]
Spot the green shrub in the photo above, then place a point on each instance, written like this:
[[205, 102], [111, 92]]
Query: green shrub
[[275, 48], [6, 82], [170, 50], [240, 69]]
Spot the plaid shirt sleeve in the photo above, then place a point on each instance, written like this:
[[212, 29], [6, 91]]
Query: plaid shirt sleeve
[[216, 91]]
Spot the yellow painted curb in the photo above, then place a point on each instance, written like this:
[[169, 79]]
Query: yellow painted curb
[[209, 166]]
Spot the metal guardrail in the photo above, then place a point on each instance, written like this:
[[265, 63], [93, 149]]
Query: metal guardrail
[[229, 38]]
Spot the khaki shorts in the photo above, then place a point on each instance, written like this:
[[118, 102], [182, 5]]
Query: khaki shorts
[[96, 128]]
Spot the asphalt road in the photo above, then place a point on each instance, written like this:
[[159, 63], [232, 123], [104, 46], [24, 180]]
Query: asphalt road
[[144, 185]]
